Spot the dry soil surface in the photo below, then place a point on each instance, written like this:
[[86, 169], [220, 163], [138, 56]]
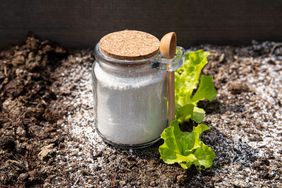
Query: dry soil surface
[[48, 139]]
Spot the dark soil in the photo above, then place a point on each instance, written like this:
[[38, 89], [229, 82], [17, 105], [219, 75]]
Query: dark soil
[[27, 118], [48, 139]]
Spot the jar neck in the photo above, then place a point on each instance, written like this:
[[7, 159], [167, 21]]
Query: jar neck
[[124, 67], [152, 64]]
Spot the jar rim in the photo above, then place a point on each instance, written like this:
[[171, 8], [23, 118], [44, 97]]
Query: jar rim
[[100, 55]]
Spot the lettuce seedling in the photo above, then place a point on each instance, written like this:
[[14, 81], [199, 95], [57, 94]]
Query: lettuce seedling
[[186, 148]]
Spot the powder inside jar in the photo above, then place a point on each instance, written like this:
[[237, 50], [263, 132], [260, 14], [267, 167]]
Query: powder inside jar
[[131, 110]]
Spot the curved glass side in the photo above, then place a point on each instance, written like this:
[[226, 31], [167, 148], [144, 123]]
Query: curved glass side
[[170, 64], [94, 90]]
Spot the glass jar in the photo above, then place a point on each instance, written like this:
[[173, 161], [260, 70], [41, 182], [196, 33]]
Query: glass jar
[[130, 97]]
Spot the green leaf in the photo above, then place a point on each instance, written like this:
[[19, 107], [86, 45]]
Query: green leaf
[[187, 79], [187, 76], [184, 113], [186, 82], [205, 156], [206, 90], [171, 145], [198, 114], [185, 148]]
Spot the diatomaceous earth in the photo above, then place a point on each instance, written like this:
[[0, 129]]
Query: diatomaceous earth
[[131, 110], [245, 123]]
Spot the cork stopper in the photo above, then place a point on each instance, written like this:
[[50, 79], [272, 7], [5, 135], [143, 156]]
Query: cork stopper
[[129, 45]]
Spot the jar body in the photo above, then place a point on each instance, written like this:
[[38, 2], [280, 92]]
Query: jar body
[[130, 102]]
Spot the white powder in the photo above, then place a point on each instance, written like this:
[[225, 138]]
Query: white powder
[[131, 110]]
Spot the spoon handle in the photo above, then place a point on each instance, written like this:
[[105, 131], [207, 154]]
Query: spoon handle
[[167, 49]]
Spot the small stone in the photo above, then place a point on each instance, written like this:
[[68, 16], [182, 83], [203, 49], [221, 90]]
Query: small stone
[[18, 60], [271, 62], [23, 176], [20, 131], [45, 151], [255, 138], [47, 48], [122, 183], [221, 58], [238, 87], [97, 154], [179, 178], [153, 183]]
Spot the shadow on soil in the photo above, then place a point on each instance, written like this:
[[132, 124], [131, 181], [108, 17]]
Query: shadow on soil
[[217, 107], [228, 152]]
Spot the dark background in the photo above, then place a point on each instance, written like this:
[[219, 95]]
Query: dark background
[[80, 23]]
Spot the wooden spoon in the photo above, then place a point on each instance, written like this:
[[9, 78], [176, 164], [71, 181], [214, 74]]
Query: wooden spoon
[[167, 50]]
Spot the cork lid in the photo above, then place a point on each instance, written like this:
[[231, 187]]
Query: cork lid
[[129, 45]]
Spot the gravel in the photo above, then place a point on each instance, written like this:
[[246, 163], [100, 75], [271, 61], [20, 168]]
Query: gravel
[[245, 121]]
